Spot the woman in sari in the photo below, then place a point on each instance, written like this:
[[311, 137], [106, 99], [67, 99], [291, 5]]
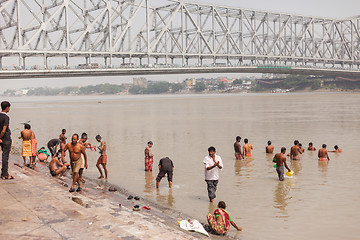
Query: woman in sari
[[221, 220]]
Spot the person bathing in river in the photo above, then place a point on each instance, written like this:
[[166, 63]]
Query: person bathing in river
[[149, 157], [103, 157], [269, 147], [221, 220], [213, 164], [337, 149], [166, 166], [247, 148], [311, 147], [237, 149], [323, 153], [295, 151], [280, 160]]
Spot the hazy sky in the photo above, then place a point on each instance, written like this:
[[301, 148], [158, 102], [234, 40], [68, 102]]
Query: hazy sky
[[338, 9]]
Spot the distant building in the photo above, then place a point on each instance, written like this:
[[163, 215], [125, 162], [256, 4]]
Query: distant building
[[189, 83], [142, 82]]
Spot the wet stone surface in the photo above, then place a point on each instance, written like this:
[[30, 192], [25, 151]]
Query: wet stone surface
[[35, 205]]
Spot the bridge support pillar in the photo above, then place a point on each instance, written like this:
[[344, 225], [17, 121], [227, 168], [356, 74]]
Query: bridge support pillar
[[67, 60], [0, 62], [21, 61], [45, 61]]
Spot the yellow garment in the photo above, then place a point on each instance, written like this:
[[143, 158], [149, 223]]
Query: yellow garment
[[26, 149]]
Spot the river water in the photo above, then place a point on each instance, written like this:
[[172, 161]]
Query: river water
[[321, 201]]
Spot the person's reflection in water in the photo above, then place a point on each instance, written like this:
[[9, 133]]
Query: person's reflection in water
[[243, 166], [296, 166], [280, 197], [170, 199], [323, 167], [165, 199], [149, 182]]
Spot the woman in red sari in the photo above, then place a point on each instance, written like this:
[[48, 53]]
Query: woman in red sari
[[221, 220]]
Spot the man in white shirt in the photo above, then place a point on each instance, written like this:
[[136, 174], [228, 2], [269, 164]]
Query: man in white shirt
[[213, 164]]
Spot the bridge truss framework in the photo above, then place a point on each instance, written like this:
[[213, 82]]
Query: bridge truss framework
[[178, 33]]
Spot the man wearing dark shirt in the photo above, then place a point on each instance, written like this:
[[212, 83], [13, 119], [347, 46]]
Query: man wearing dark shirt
[[52, 146], [5, 139], [166, 166]]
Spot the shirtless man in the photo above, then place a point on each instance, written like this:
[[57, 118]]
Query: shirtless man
[[302, 149], [323, 153], [26, 143], [62, 139], [75, 151], [149, 157], [56, 167], [103, 157], [295, 151], [280, 162], [337, 149], [237, 149], [311, 147], [269, 147], [247, 148], [86, 145]]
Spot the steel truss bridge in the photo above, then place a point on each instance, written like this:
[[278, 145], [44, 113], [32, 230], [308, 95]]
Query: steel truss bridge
[[124, 37]]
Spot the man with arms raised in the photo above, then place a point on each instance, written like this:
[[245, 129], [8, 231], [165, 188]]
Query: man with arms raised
[[280, 159], [323, 153], [75, 151]]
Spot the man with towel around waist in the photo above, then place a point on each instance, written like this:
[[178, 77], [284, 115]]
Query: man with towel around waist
[[75, 151], [26, 143]]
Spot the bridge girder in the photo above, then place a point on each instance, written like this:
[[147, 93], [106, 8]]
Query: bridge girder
[[179, 32]]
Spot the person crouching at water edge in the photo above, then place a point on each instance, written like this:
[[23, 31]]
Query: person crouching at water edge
[[221, 220], [213, 164], [166, 166], [103, 157], [75, 151], [280, 160], [149, 157], [56, 167]]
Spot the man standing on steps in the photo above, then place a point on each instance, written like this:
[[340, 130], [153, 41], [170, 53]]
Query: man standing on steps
[[75, 151], [5, 139], [213, 164]]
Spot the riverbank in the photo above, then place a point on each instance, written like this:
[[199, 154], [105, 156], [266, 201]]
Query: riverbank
[[35, 205]]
